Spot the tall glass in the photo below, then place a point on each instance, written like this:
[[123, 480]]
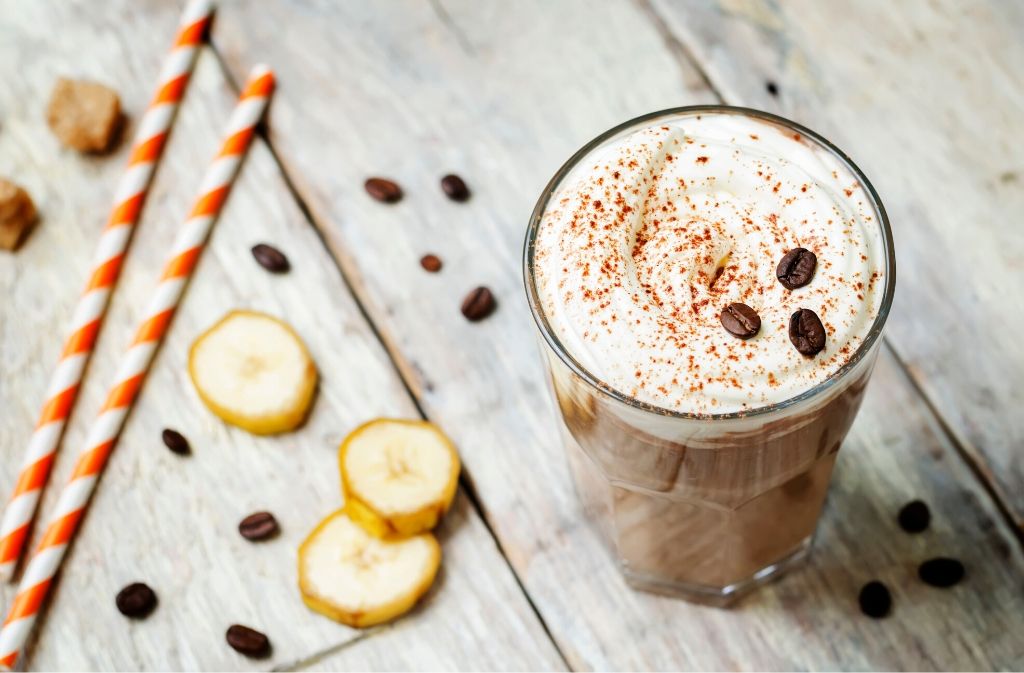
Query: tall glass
[[704, 507]]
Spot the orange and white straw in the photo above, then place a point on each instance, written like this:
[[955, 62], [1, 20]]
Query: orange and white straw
[[85, 323], [74, 499]]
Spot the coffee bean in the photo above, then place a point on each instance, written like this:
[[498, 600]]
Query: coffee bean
[[772, 88], [249, 642], [914, 517], [806, 332], [455, 188], [136, 600], [258, 526], [383, 190], [270, 258], [875, 600], [796, 268], [740, 320], [478, 304], [941, 572], [431, 263], [176, 442]]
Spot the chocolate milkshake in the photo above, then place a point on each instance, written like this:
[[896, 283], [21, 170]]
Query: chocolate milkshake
[[710, 284]]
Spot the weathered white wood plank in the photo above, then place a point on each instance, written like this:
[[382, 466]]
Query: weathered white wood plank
[[502, 93], [928, 97], [168, 520]]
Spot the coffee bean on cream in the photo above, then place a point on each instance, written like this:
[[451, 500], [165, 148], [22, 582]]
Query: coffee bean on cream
[[652, 235]]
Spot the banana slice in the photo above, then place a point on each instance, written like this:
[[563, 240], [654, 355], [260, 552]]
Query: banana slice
[[399, 477], [367, 518], [253, 371], [359, 580]]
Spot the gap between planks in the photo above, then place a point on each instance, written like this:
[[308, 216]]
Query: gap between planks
[[317, 657], [399, 363], [684, 52], [961, 446]]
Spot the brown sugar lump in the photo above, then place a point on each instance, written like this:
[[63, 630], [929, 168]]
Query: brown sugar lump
[[17, 214], [84, 115]]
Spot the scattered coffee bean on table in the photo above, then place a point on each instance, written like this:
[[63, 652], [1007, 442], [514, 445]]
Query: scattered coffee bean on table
[[941, 572], [875, 600], [249, 642], [176, 442], [796, 268], [740, 320], [136, 600], [259, 526], [455, 188], [806, 332], [478, 304], [914, 517], [270, 258], [431, 263], [384, 190]]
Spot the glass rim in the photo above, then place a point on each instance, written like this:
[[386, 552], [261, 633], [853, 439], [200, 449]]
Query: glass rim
[[603, 388]]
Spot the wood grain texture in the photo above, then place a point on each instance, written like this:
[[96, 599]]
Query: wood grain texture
[[928, 97], [502, 93], [170, 520]]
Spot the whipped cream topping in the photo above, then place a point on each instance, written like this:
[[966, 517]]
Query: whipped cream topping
[[653, 233]]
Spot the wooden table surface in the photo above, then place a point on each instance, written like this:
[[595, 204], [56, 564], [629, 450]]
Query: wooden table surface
[[927, 96]]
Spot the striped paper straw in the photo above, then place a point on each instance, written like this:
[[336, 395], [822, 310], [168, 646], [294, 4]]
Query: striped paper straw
[[100, 442], [85, 322]]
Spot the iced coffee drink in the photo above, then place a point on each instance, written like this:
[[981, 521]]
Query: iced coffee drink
[[710, 286]]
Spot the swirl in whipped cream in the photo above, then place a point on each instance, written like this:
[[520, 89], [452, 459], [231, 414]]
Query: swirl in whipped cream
[[652, 234]]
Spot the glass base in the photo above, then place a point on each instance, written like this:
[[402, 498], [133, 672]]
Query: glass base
[[718, 596]]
